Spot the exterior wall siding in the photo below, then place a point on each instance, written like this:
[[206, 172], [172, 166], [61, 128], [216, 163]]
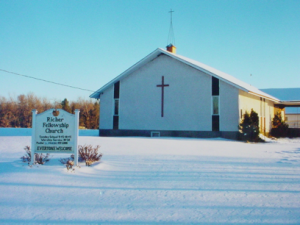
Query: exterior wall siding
[[187, 99], [293, 120], [265, 109], [269, 105], [229, 107], [187, 103], [106, 108]]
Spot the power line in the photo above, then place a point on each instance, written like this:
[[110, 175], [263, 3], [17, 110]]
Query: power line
[[45, 80]]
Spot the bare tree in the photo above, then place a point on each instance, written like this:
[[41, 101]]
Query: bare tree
[[17, 112]]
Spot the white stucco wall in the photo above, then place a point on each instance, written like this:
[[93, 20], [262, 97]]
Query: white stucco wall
[[229, 107], [187, 101], [263, 108], [106, 108]]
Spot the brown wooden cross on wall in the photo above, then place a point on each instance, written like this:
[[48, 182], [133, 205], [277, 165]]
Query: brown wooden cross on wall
[[162, 85]]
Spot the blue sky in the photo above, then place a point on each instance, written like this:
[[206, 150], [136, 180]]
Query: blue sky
[[88, 43]]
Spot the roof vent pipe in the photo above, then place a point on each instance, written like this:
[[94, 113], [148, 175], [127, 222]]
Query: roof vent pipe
[[171, 48]]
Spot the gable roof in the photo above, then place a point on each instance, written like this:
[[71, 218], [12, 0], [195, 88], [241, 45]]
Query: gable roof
[[195, 64]]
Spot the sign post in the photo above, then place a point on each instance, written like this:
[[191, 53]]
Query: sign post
[[76, 135], [34, 112], [55, 131]]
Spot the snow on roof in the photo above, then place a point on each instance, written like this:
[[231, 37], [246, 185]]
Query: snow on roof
[[193, 63]]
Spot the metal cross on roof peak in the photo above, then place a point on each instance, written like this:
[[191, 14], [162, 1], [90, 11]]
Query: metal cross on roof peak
[[171, 11], [171, 37]]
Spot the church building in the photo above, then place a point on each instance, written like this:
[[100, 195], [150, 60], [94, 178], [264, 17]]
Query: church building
[[166, 94]]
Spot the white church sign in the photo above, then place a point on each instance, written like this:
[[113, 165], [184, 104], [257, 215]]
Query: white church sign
[[55, 131]]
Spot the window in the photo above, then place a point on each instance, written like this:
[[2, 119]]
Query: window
[[215, 86], [116, 105], [117, 90], [215, 105], [116, 123], [215, 123], [116, 111]]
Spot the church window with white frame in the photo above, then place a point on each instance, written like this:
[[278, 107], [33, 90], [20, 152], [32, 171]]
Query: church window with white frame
[[215, 105], [116, 105], [116, 110]]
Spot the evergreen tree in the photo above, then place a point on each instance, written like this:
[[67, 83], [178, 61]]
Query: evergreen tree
[[66, 106], [254, 118], [249, 126], [281, 127]]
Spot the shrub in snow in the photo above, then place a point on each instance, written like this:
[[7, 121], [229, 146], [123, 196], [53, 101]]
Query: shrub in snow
[[69, 162], [89, 154], [249, 127], [280, 127], [39, 158]]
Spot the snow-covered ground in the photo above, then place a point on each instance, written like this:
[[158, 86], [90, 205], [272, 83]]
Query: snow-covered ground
[[155, 181]]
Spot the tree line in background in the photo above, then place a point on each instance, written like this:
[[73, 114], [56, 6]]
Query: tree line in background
[[18, 112]]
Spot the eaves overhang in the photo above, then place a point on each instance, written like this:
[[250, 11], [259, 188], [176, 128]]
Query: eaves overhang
[[283, 104], [195, 64]]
